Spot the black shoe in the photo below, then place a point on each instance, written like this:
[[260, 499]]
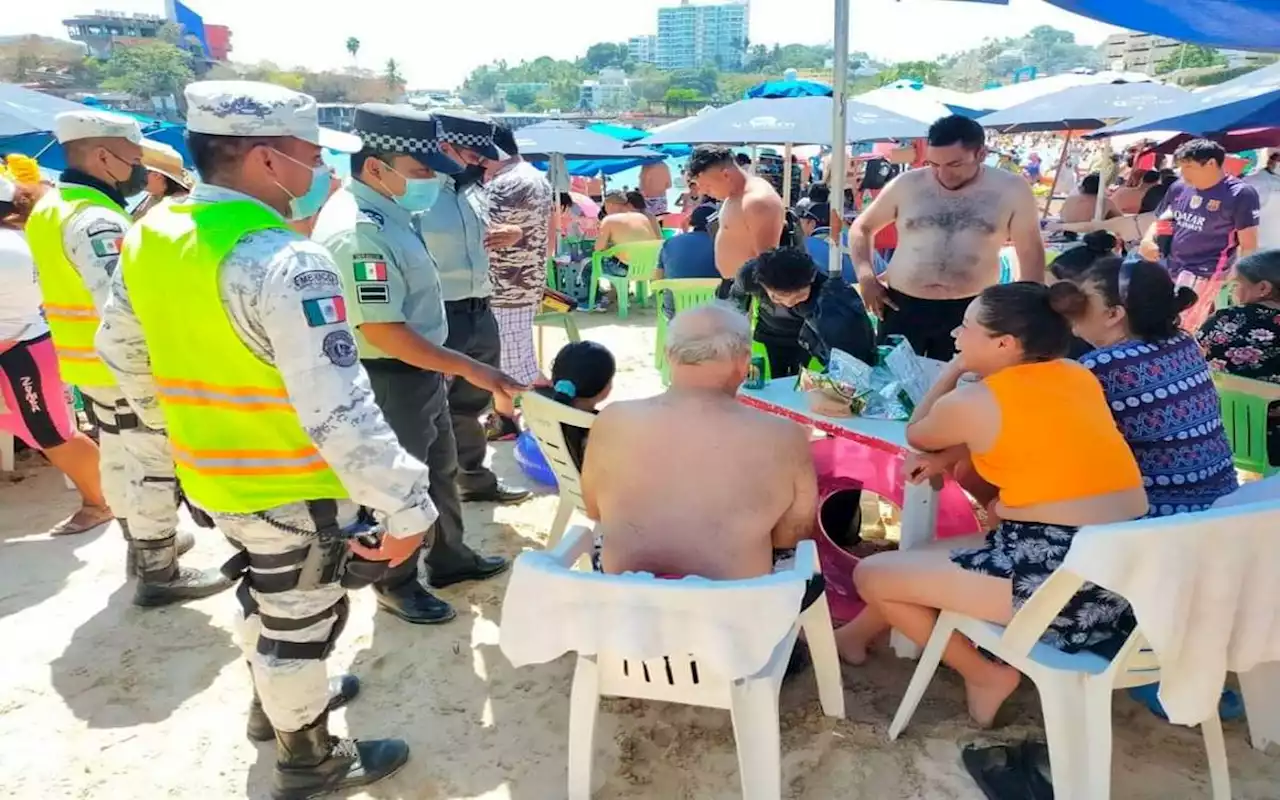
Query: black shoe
[[411, 603], [184, 583], [342, 690], [498, 493], [311, 763], [183, 539], [486, 567]]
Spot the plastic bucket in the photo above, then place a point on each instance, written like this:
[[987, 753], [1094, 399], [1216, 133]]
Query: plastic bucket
[[839, 518]]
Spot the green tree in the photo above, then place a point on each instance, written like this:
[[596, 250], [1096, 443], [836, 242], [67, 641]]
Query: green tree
[[925, 71], [353, 47], [1191, 56], [522, 97], [605, 54], [148, 70], [391, 75]]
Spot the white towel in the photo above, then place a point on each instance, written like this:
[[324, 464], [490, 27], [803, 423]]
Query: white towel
[[731, 627], [1205, 588]]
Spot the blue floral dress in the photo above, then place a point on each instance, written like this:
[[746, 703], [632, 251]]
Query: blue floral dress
[[1163, 399]]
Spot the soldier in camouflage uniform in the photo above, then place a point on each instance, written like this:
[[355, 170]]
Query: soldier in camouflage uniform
[[270, 401], [75, 233], [519, 194]]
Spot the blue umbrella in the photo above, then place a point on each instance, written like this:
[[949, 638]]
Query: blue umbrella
[[789, 88], [789, 120], [1233, 24], [23, 111], [1084, 107], [626, 134], [1249, 101], [538, 142]]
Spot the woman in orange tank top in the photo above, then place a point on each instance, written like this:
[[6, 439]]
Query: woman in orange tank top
[[1035, 441]]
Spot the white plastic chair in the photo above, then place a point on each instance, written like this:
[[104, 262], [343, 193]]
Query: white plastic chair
[[752, 700], [544, 417], [1075, 689]]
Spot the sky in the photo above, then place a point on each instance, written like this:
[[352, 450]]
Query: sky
[[438, 43]]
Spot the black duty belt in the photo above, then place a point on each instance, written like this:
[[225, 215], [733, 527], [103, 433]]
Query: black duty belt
[[472, 304]]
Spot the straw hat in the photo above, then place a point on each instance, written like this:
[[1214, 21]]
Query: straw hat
[[162, 158]]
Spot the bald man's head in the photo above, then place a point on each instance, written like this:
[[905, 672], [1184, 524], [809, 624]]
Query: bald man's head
[[709, 347]]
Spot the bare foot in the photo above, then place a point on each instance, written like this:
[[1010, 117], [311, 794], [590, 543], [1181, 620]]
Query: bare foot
[[849, 645], [985, 699], [86, 519]]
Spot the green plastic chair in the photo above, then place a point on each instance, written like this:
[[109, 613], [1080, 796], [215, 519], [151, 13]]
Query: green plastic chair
[[562, 318], [1245, 406], [552, 279], [687, 293], [641, 259]]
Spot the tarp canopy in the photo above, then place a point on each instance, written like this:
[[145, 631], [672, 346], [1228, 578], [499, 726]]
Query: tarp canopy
[[1249, 101], [1232, 24], [789, 120], [1083, 108], [539, 142], [24, 111], [789, 88]]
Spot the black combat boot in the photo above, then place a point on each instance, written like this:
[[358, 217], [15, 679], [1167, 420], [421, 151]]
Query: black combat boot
[[342, 690], [183, 539], [162, 582], [311, 763]]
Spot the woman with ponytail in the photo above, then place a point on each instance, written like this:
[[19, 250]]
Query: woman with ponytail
[[1033, 439], [1156, 380], [581, 377]]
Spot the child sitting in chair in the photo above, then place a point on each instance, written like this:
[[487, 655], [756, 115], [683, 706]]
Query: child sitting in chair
[[581, 377]]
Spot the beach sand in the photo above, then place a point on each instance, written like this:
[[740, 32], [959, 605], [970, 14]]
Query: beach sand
[[102, 700]]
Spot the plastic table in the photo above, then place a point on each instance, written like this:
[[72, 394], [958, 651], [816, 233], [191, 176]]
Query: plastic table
[[920, 504]]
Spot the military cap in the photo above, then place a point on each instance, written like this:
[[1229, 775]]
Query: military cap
[[471, 131], [70, 126], [250, 108], [405, 130]]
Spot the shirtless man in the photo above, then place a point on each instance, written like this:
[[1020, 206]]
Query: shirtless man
[[655, 180], [952, 220], [726, 528], [751, 215]]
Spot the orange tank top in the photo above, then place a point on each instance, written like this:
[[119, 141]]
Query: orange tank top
[[1057, 440]]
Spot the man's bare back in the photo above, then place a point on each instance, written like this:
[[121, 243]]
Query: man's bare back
[[750, 224], [628, 226], [949, 241], [694, 483]]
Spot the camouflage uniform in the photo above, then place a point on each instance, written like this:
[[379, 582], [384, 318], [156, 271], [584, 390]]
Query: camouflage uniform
[[263, 283], [519, 195]]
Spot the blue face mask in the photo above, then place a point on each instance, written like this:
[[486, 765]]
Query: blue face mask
[[310, 203], [420, 194]]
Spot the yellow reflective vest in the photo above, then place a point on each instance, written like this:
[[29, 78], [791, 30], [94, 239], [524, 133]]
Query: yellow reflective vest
[[238, 444], [68, 304]]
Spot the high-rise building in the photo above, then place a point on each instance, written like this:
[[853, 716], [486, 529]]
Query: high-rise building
[[643, 49], [691, 36], [1138, 52]]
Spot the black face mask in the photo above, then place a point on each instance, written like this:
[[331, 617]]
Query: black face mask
[[470, 175], [136, 182]]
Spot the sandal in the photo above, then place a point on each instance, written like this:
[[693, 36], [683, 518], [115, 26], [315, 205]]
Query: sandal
[[84, 520], [1035, 762], [998, 770]]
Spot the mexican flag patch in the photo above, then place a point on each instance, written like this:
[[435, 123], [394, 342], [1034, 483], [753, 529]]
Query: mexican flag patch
[[324, 311], [107, 247], [371, 271]]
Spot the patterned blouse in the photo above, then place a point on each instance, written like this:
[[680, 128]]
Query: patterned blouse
[[520, 195], [1162, 397], [1244, 340]]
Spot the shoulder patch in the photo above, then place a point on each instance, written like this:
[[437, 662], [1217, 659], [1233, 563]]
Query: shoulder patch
[[340, 348], [369, 268], [323, 311], [107, 244], [104, 226], [316, 279], [374, 216], [372, 293]]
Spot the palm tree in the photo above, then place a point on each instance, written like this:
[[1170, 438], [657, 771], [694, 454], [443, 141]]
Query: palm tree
[[395, 81], [353, 47]]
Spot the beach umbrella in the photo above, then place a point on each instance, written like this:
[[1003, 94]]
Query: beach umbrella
[[624, 133], [1231, 141], [919, 101], [1231, 24], [1249, 101], [1083, 108], [1002, 97], [24, 111], [539, 142], [789, 88], [788, 120]]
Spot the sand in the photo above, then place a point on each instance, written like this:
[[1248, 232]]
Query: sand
[[102, 700]]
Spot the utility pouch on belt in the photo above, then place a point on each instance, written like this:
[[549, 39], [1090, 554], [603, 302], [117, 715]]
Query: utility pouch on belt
[[326, 559]]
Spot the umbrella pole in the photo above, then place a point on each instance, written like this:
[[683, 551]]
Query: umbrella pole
[[1062, 162], [755, 159], [1104, 180], [839, 132], [786, 176]]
